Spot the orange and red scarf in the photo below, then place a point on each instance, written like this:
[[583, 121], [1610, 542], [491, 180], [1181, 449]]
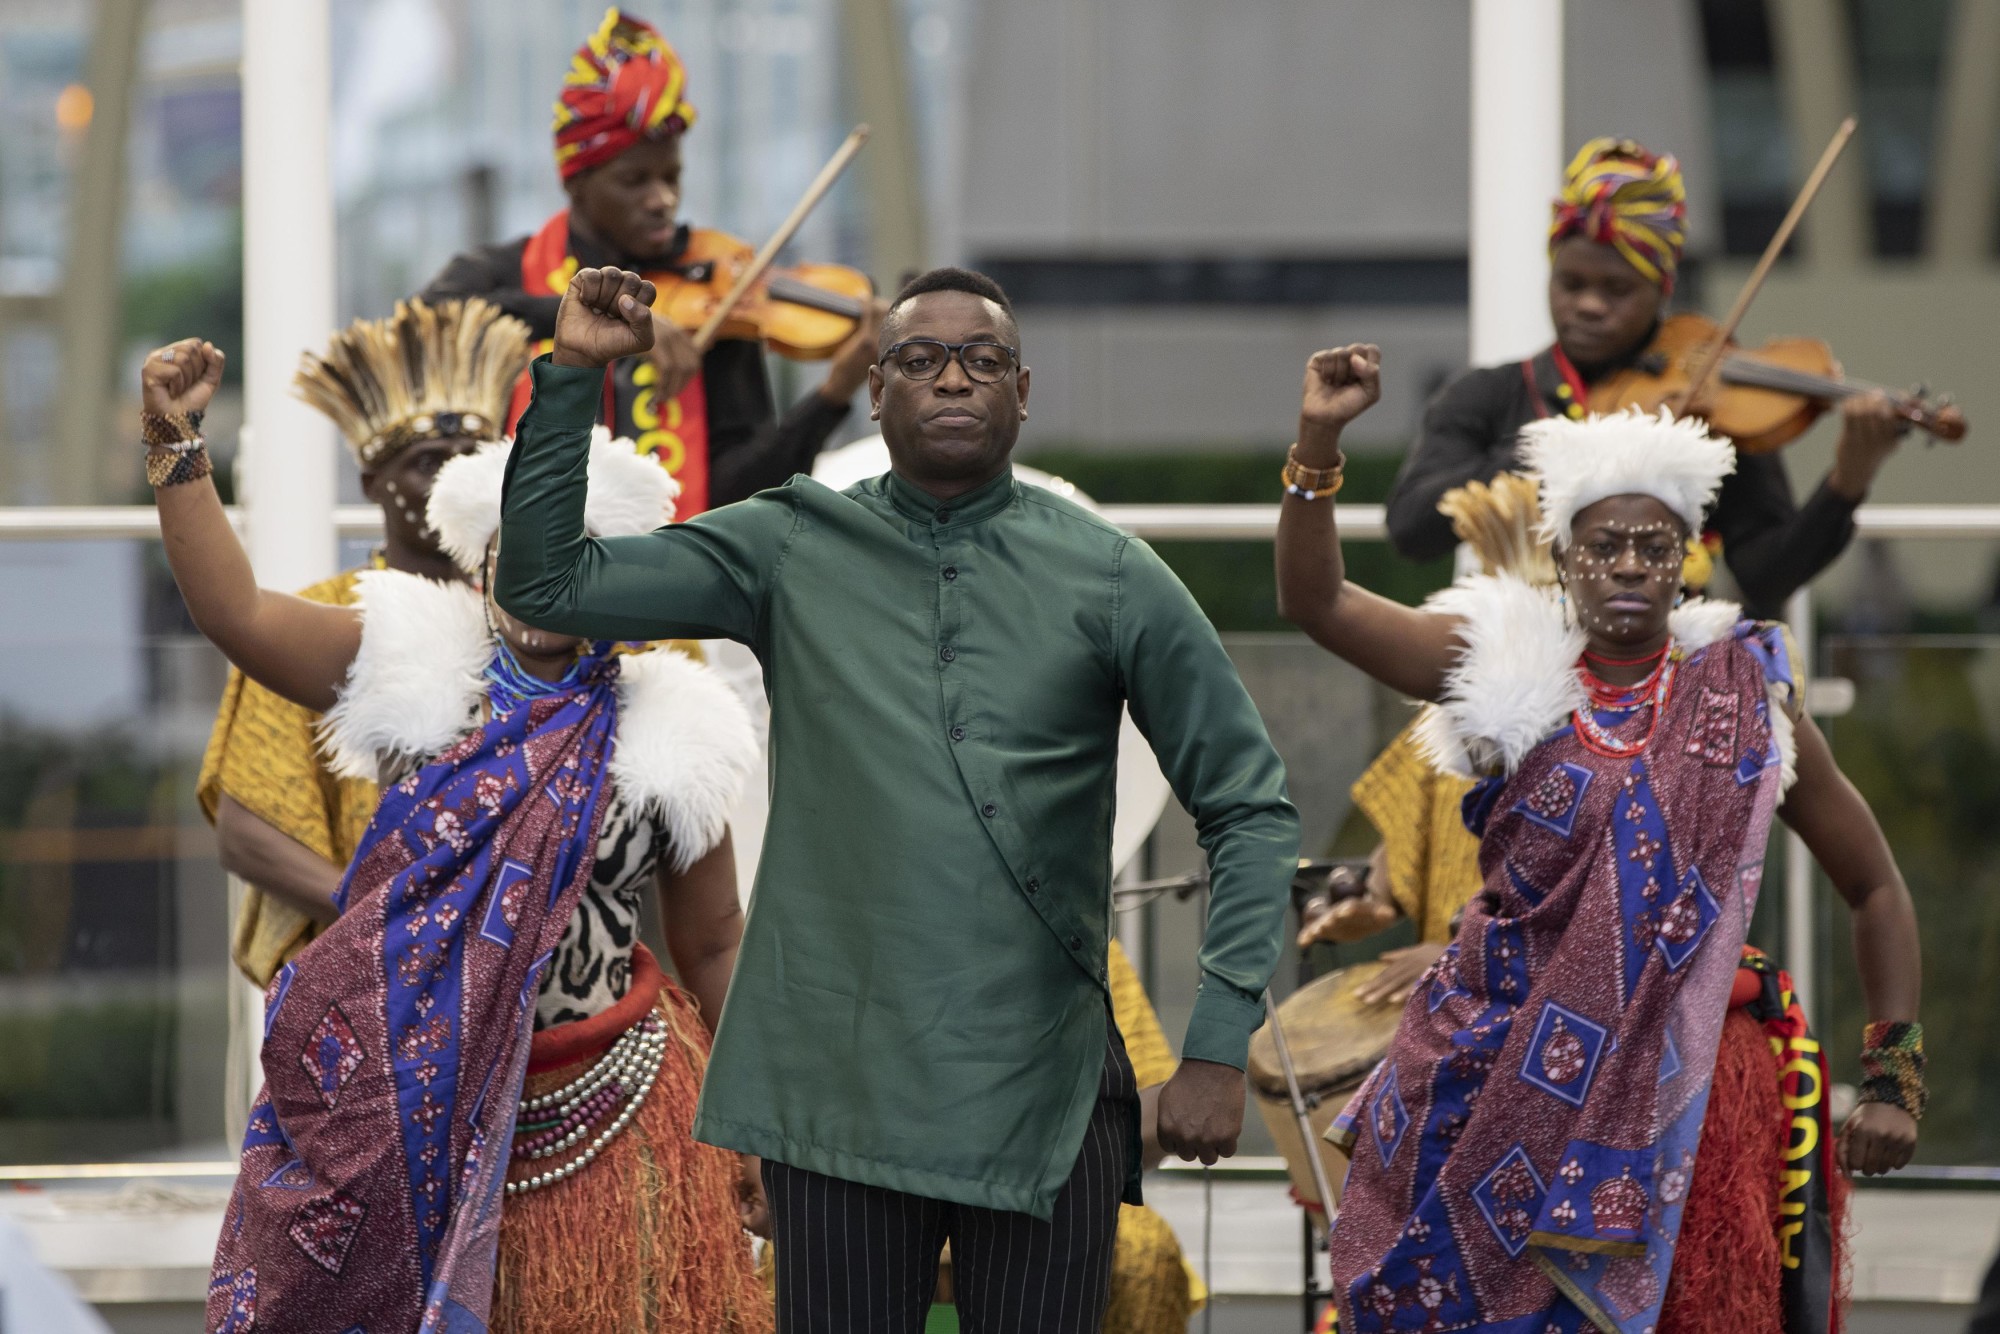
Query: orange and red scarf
[[675, 431]]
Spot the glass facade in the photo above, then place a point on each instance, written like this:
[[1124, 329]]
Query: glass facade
[[114, 969]]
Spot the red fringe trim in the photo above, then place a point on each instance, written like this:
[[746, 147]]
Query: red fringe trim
[[646, 1240], [1726, 1266]]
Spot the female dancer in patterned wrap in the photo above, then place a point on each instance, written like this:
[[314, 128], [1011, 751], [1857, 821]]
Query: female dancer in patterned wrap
[[479, 1027], [1523, 1158]]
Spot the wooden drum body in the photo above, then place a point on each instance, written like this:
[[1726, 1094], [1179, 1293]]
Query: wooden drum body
[[1335, 1041]]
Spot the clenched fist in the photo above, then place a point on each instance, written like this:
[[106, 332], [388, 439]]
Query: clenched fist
[[606, 314], [1341, 384], [1201, 1111], [180, 377], [1878, 1138]]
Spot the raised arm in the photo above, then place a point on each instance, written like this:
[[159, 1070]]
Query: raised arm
[[704, 579], [298, 649], [1404, 648], [1191, 706], [1838, 827]]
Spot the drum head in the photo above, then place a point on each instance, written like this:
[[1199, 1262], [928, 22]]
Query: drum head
[[1335, 1039]]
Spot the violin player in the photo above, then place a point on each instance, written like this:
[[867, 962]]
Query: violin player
[[708, 416], [1614, 245]]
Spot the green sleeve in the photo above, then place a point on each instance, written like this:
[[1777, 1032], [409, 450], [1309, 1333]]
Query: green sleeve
[[1190, 704], [703, 579]]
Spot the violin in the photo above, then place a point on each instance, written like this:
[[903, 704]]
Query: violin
[[1762, 398], [803, 312]]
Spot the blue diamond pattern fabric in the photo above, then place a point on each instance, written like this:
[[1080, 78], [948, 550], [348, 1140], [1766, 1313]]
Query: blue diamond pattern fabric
[[1557, 798], [1510, 1198], [1563, 1054]]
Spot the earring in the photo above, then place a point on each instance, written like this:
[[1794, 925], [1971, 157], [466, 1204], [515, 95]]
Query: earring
[[1680, 597]]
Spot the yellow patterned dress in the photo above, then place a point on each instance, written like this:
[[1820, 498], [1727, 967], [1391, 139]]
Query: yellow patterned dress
[[1433, 859], [264, 753], [1153, 1289]]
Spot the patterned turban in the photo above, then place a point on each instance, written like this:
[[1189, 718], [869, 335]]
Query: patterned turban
[[1616, 193], [624, 84]]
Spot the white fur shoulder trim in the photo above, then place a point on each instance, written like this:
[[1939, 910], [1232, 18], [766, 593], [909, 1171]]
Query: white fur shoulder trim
[[421, 668], [686, 746], [1515, 679], [1699, 622], [1784, 735]]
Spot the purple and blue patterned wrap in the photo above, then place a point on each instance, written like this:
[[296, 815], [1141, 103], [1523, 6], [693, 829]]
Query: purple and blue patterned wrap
[[1522, 1156], [394, 1046]]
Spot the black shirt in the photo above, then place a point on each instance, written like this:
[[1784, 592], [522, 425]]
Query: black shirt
[[1772, 546], [750, 448]]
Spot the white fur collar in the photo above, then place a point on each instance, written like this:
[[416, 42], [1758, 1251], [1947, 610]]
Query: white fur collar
[[1515, 678], [685, 742]]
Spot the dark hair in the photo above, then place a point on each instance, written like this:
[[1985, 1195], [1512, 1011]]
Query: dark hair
[[953, 279]]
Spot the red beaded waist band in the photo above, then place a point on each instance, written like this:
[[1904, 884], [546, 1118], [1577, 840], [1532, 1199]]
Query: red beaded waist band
[[566, 1044]]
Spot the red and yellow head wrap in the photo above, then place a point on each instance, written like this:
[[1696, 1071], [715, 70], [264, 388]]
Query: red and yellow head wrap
[[625, 84], [1617, 193]]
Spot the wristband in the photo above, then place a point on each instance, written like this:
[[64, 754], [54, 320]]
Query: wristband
[[1312, 483], [170, 430], [172, 465], [1892, 1066]]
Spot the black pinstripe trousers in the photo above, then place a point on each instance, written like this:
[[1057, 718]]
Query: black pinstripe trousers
[[855, 1259]]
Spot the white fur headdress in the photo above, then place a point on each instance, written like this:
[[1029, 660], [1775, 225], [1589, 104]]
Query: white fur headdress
[[1579, 463], [629, 493]]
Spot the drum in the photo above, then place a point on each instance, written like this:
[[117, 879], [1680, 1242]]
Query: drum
[[1335, 1040]]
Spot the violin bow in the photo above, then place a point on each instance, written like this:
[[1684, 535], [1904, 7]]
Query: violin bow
[[786, 230], [1779, 240]]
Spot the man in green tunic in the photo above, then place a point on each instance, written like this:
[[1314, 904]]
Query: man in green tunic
[[917, 1039]]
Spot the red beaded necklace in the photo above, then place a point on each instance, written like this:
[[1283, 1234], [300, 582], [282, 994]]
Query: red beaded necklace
[[1655, 688]]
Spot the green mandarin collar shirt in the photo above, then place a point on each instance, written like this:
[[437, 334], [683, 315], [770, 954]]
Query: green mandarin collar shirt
[[919, 1000]]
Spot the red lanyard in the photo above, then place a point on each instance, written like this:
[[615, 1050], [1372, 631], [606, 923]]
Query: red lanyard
[[1579, 392]]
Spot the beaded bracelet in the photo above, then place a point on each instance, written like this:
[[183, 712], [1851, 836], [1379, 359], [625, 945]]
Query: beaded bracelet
[[1312, 483], [179, 431], [171, 465], [1892, 1066]]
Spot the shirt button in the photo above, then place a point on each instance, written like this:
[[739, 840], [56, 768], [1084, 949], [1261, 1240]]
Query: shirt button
[[950, 573], [1076, 942], [1034, 886], [958, 734], [943, 516], [989, 810], [948, 653]]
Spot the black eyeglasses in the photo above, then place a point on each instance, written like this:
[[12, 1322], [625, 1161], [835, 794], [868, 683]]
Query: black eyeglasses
[[925, 358]]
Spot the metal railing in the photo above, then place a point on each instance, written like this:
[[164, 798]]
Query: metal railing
[[1157, 523]]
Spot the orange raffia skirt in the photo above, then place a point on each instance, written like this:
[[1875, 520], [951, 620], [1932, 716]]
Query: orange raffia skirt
[[646, 1239], [1728, 1261]]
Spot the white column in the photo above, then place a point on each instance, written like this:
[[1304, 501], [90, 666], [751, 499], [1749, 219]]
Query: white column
[[285, 478], [1517, 161], [287, 464]]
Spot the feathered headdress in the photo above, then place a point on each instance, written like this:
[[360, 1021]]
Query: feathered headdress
[[1502, 522], [424, 373], [1578, 463], [629, 493]]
